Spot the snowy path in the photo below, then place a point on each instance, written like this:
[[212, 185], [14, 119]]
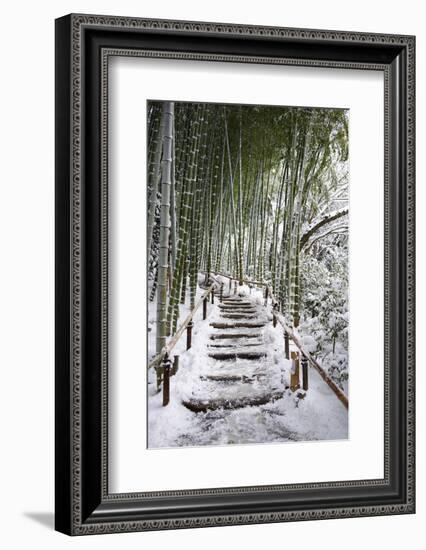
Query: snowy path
[[239, 375], [231, 387]]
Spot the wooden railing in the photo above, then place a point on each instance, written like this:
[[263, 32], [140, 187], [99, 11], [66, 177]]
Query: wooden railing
[[248, 281], [171, 344], [305, 354], [289, 334], [161, 362]]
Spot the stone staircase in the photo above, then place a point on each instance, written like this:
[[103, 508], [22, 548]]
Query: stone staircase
[[238, 376]]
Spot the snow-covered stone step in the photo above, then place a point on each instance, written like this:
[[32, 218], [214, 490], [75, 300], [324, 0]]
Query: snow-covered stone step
[[230, 344], [230, 378], [234, 335], [232, 396], [247, 312], [236, 302], [243, 311], [238, 367], [237, 325], [238, 316], [239, 349], [236, 370], [242, 314], [236, 305], [237, 354], [239, 305], [223, 378]]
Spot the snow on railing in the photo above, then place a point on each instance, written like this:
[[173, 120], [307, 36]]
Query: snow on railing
[[161, 361], [289, 334], [287, 330], [248, 281], [186, 324], [163, 356]]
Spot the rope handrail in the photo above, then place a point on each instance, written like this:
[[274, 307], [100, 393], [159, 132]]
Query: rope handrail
[[171, 344]]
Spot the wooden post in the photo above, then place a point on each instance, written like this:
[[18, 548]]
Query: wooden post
[[235, 287], [230, 285], [294, 378], [304, 372], [266, 295], [166, 380], [204, 309], [274, 319], [212, 293], [189, 334], [286, 345], [159, 377], [175, 367], [221, 293]]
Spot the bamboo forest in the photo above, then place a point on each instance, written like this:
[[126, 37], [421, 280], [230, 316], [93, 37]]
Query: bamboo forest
[[247, 265]]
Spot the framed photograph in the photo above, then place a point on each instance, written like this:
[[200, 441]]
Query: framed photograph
[[234, 274]]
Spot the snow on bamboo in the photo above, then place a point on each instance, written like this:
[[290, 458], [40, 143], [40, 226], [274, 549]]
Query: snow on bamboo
[[244, 198]]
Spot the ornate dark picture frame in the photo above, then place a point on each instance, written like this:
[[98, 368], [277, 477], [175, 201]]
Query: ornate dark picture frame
[[83, 45]]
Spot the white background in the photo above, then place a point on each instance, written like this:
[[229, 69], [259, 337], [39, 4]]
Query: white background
[[26, 301], [132, 81]]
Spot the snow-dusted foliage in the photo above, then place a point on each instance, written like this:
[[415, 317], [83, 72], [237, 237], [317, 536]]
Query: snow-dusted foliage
[[251, 201], [325, 316], [289, 417]]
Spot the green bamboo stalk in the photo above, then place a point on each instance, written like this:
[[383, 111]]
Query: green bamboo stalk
[[196, 211], [154, 183], [186, 200], [166, 179]]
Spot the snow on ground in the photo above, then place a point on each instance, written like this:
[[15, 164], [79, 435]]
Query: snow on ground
[[296, 416], [333, 358]]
